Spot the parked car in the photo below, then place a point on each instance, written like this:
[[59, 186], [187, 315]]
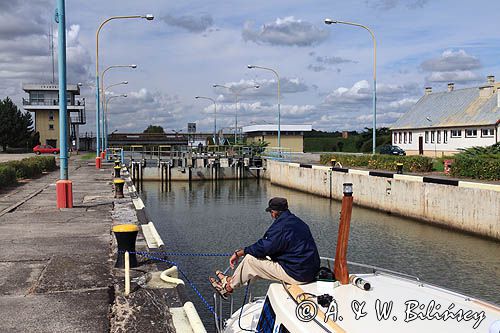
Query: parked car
[[45, 149], [392, 150]]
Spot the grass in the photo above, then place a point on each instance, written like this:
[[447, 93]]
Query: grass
[[88, 156]]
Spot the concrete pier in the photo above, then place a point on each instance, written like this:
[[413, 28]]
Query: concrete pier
[[56, 266]]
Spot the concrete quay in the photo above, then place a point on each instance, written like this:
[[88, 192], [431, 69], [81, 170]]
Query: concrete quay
[[57, 266]]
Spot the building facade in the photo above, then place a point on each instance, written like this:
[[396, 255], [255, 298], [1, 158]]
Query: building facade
[[43, 101], [441, 123], [291, 136]]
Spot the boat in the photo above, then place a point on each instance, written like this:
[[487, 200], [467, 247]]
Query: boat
[[350, 297]]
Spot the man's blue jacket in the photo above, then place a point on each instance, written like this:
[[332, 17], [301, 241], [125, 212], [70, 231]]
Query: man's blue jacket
[[289, 242]]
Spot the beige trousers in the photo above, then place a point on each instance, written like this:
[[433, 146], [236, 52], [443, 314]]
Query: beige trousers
[[251, 269]]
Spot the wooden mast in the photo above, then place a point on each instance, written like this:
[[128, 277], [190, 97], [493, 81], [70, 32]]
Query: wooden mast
[[340, 268]]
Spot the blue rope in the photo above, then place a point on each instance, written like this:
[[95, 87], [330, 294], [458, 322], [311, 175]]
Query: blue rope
[[180, 254], [192, 285]]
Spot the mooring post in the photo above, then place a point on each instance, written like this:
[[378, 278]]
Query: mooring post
[[127, 273], [340, 268]]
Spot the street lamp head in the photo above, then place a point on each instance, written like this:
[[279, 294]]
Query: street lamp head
[[330, 21], [133, 66], [256, 86], [149, 17], [124, 82], [197, 97], [79, 84], [124, 95], [250, 66], [215, 85]]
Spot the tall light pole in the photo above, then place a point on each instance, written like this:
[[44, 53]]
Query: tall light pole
[[215, 115], [104, 140], [374, 98], [103, 101], [148, 17], [279, 93], [64, 187], [236, 93], [106, 106]]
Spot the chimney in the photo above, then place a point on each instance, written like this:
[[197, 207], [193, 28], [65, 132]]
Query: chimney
[[491, 79], [451, 86], [428, 90]]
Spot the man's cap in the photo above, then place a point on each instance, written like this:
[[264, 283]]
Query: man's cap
[[278, 204]]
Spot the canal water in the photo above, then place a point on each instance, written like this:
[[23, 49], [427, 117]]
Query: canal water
[[207, 217]]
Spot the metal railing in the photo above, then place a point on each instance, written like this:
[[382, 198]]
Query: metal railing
[[53, 102], [278, 153]]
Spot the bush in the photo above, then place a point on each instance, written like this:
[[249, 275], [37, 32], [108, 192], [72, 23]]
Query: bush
[[476, 167], [27, 167], [382, 162], [7, 175]]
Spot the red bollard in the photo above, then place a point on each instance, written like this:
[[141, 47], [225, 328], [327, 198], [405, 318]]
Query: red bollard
[[103, 155], [97, 162], [64, 194]]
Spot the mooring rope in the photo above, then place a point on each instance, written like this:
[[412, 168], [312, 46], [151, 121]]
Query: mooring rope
[[191, 284]]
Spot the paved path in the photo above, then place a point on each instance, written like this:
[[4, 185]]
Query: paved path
[[55, 268], [14, 157]]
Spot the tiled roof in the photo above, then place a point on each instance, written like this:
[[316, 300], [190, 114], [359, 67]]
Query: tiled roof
[[461, 107]]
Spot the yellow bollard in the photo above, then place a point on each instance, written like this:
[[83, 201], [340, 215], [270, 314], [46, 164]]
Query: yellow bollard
[[119, 183], [126, 235]]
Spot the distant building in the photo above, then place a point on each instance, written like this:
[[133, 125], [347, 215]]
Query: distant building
[[43, 100], [440, 123], [291, 136], [345, 134]]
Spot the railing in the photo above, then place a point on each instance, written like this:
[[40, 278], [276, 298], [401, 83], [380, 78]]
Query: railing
[[53, 102], [278, 153]]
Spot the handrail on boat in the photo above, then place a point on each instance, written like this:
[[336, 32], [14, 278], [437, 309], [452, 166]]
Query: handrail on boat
[[376, 269]]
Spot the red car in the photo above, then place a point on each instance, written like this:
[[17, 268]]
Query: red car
[[45, 149]]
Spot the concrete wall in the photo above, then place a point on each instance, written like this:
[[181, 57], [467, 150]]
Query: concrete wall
[[470, 207]]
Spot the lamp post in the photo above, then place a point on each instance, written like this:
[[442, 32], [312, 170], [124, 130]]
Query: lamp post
[[64, 187], [374, 98], [104, 140], [279, 93], [148, 17], [106, 107], [215, 115], [236, 94], [103, 101]]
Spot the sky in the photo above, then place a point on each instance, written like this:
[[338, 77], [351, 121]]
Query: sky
[[326, 71]]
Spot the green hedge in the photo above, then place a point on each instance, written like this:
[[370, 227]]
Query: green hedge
[[476, 167], [381, 162], [26, 168], [7, 175]]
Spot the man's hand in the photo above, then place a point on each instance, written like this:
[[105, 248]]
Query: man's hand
[[233, 261]]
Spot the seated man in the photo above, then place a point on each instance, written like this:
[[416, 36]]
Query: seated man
[[288, 243]]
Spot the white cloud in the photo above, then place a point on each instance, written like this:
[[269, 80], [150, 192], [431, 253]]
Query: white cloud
[[452, 66], [287, 31]]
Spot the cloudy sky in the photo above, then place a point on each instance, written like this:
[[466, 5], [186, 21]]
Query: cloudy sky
[[326, 71]]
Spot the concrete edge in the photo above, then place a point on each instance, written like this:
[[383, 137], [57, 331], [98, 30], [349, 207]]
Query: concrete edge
[[155, 234], [409, 178], [359, 172], [481, 186]]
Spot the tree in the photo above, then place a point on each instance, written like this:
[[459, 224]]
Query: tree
[[16, 127], [154, 129]]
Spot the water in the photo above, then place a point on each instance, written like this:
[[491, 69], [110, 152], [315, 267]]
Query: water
[[219, 218]]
